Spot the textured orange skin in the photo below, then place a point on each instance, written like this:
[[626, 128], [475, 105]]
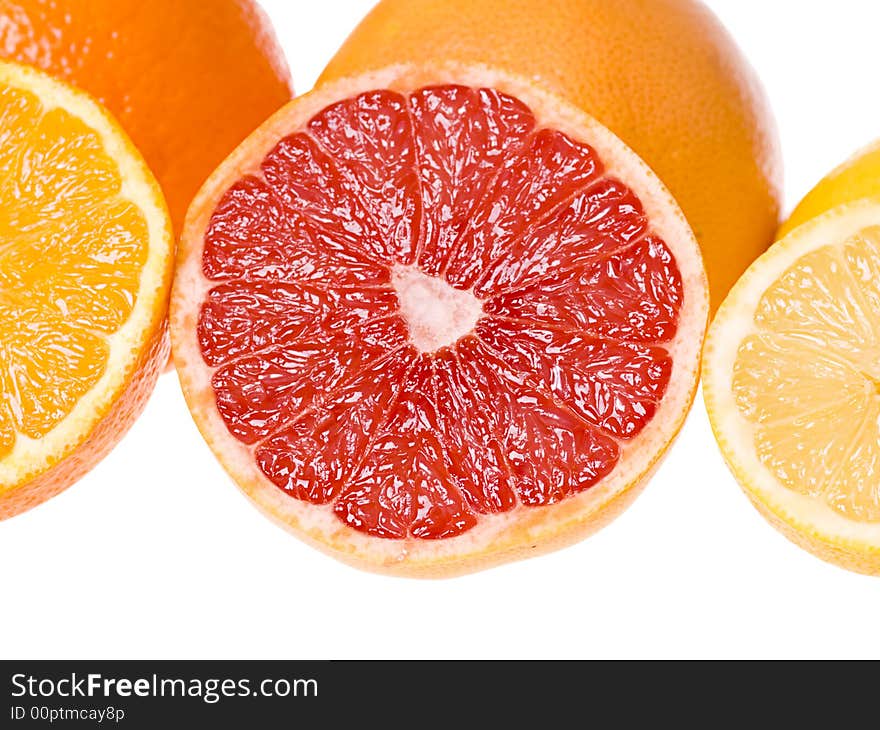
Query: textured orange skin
[[109, 431], [187, 79], [664, 75]]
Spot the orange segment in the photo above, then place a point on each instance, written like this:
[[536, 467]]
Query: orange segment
[[48, 365], [90, 270], [84, 271]]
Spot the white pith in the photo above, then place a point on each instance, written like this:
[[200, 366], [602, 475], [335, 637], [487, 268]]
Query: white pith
[[734, 322], [496, 536], [436, 314], [30, 457]]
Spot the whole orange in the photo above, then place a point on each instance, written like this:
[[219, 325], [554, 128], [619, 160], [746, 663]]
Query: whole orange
[[188, 80], [664, 75]]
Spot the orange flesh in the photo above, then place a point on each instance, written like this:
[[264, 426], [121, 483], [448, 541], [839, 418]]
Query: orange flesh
[[427, 308], [70, 262]]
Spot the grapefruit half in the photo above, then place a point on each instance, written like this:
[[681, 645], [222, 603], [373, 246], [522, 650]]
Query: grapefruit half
[[431, 318]]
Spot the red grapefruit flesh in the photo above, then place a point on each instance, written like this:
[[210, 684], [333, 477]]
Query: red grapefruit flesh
[[434, 326]]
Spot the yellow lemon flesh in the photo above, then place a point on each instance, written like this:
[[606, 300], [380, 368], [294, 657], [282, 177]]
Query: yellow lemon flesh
[[791, 379]]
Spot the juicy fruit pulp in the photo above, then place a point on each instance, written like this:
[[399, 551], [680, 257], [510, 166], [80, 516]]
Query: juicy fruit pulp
[[73, 250], [809, 379], [428, 307]]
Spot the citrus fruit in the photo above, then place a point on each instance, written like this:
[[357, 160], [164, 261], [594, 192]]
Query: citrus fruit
[[187, 80], [85, 273], [858, 177], [663, 75], [792, 384], [431, 318]]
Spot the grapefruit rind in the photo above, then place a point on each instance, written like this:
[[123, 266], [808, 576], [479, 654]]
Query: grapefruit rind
[[32, 458], [806, 521], [524, 531]]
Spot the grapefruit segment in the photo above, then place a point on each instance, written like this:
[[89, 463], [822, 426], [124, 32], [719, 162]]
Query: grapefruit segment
[[402, 486], [600, 219], [463, 137], [549, 168], [257, 394], [431, 308], [317, 455], [614, 386], [370, 139], [247, 317], [472, 430], [252, 237], [549, 453], [306, 180], [599, 297]]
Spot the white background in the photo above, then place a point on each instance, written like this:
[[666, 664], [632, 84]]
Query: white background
[[156, 553]]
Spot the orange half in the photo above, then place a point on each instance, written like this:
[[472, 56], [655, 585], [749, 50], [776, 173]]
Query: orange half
[[85, 270]]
